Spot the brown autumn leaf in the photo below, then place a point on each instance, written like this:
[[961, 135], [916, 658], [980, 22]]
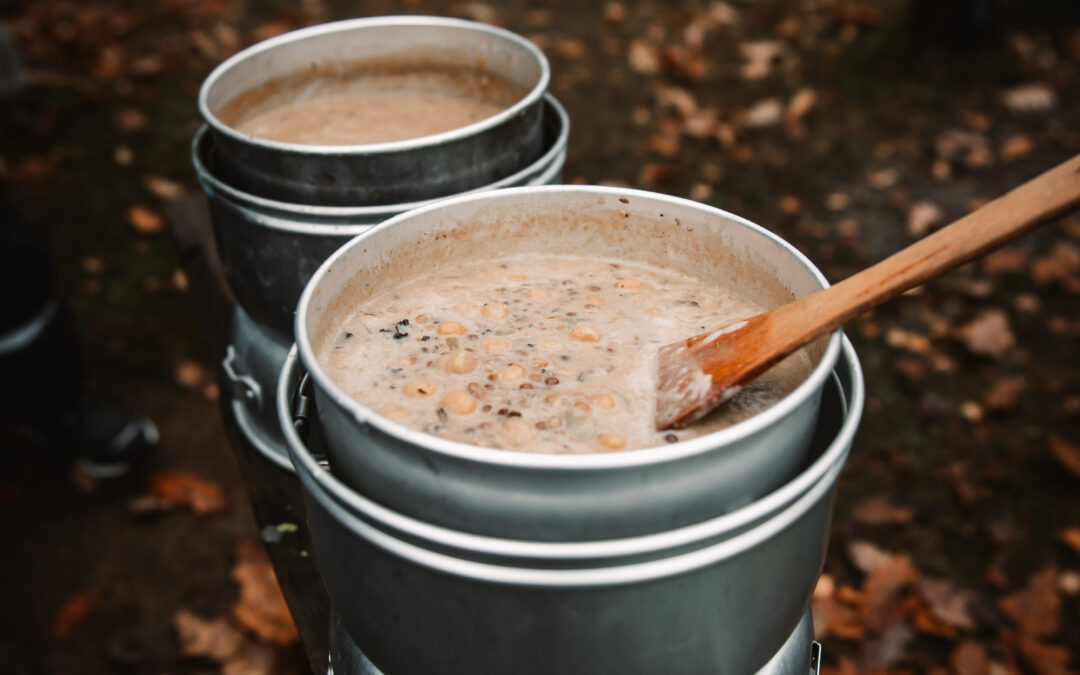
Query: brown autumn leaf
[[1061, 264], [947, 603], [656, 173], [1066, 453], [833, 617], [956, 472], [877, 511], [882, 179], [163, 188], [1044, 659], [800, 105], [969, 658], [1071, 537], [74, 612], [1036, 609], [922, 217], [1030, 97], [1016, 147], [644, 57], [1004, 261], [759, 58], [145, 221], [254, 658], [887, 649], [988, 334], [866, 556], [130, 120], [682, 62], [190, 374], [261, 607], [185, 489], [765, 113], [214, 639], [883, 590], [1004, 393]]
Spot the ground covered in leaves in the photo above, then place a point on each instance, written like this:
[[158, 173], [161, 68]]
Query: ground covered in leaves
[[850, 128]]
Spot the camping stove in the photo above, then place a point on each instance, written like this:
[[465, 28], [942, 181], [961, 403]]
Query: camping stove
[[799, 655]]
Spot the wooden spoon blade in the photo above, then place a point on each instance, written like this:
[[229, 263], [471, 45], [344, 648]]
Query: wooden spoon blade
[[702, 372]]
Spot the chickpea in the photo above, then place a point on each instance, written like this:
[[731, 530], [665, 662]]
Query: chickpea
[[451, 328], [419, 389], [584, 333], [457, 362], [459, 402], [513, 373], [629, 283], [538, 294], [495, 345], [498, 311], [602, 401], [515, 431], [593, 299], [395, 412], [611, 441], [465, 308]]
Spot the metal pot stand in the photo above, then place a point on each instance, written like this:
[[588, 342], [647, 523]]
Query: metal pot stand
[[800, 653]]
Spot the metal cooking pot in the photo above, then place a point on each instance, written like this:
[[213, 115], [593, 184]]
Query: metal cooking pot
[[719, 596], [381, 173], [269, 249], [563, 497]]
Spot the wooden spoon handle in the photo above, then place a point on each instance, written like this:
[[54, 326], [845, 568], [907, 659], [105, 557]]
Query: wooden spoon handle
[[1042, 198]]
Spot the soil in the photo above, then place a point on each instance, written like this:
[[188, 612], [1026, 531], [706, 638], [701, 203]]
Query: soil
[[971, 470]]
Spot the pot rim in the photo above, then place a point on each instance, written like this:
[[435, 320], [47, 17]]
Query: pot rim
[[775, 502], [548, 462], [533, 96], [212, 183]]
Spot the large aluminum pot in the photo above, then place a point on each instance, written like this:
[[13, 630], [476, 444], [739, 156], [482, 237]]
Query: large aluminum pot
[[381, 173], [269, 249], [564, 497], [719, 596]]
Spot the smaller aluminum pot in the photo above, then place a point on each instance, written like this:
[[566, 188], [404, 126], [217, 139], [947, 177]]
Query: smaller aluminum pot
[[382, 173], [718, 596], [564, 497], [269, 249]]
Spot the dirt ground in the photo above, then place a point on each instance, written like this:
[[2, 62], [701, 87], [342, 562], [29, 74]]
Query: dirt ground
[[849, 128]]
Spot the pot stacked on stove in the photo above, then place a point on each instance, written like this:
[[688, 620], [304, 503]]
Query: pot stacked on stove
[[696, 557], [278, 209]]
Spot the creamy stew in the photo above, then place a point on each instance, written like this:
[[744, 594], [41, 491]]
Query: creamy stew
[[551, 354]]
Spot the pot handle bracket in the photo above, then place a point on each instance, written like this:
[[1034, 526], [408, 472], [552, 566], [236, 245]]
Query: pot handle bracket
[[244, 386]]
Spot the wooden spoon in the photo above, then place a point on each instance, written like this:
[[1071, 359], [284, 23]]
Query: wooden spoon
[[701, 372]]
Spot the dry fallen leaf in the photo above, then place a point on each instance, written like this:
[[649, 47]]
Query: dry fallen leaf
[[74, 612], [881, 179], [644, 57], [1045, 659], [988, 334], [948, 604], [185, 489], [1004, 261], [215, 639], [130, 120], [1067, 454], [877, 511], [1059, 266], [190, 374], [1016, 147], [1031, 97], [759, 58], [1004, 393], [145, 221], [1071, 537], [1036, 609], [969, 658], [261, 607], [922, 217], [163, 188], [764, 113], [801, 103]]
